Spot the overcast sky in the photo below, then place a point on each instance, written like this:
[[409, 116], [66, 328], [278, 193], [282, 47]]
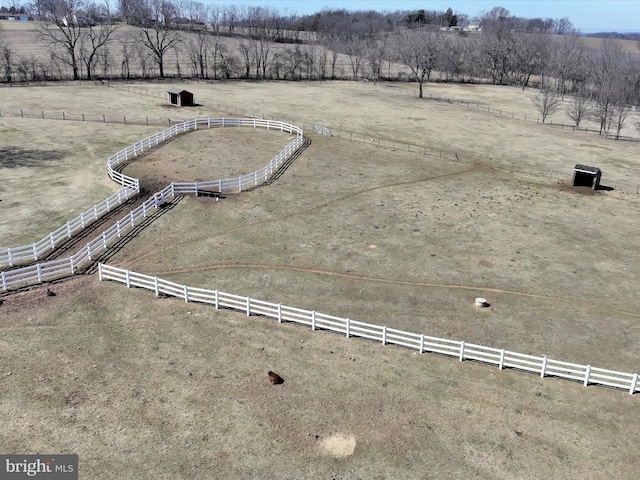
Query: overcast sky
[[587, 15]]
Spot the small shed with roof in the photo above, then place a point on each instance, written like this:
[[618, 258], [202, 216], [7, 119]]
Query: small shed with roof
[[586, 176], [179, 97]]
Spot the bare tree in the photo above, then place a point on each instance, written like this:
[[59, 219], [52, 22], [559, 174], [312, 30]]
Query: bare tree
[[609, 72], [579, 109], [155, 31], [131, 11], [199, 49], [246, 52], [93, 41], [76, 31], [547, 102], [421, 51], [355, 48], [568, 63], [60, 28], [6, 58], [498, 44], [530, 56]]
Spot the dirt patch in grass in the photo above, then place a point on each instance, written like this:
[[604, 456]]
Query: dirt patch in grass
[[209, 154]]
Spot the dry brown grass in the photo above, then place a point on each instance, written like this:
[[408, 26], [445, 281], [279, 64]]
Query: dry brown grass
[[142, 387]]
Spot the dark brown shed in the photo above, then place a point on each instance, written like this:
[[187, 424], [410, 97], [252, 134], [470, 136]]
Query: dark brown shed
[[179, 97]]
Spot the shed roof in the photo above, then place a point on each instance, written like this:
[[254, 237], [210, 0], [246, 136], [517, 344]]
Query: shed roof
[[177, 90], [586, 169]]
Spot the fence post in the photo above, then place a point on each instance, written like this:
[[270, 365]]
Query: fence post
[[4, 281], [279, 313], [348, 327], [186, 294], [501, 364], [100, 272], [63, 116], [313, 320], [217, 299], [127, 278], [461, 351], [39, 270], [586, 375], [384, 334], [156, 287], [544, 366], [248, 307], [104, 120], [422, 343], [634, 382]]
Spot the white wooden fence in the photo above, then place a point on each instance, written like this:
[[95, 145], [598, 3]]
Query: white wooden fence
[[51, 270], [543, 366]]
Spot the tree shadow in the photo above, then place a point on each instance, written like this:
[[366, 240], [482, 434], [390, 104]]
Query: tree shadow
[[12, 156]]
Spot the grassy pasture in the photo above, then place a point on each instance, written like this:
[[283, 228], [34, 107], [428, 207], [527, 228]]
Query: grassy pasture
[[142, 387]]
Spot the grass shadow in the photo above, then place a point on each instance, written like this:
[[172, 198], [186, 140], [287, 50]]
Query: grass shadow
[[13, 157]]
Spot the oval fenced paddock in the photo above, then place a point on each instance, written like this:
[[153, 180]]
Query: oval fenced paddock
[[46, 271]]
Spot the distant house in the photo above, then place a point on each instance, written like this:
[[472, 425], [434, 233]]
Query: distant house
[[179, 97], [15, 17]]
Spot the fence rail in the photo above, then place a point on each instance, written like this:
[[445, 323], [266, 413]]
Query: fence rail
[[543, 366], [46, 271]]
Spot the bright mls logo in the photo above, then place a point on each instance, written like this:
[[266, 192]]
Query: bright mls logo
[[49, 467]]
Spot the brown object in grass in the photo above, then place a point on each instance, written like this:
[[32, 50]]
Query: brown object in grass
[[274, 378]]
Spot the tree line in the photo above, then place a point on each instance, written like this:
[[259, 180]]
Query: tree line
[[145, 38]]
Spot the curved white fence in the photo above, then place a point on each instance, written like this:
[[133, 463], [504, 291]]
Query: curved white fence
[[46, 271], [543, 366], [31, 253]]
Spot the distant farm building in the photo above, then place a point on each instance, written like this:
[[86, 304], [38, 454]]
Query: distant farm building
[[586, 176], [15, 17], [179, 97]]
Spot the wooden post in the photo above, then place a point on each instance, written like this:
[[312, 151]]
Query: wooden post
[[422, 343], [127, 279], [384, 334], [313, 320], [348, 327], [544, 367], [461, 351], [156, 286], [217, 299], [279, 313], [186, 294], [501, 364], [248, 307]]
